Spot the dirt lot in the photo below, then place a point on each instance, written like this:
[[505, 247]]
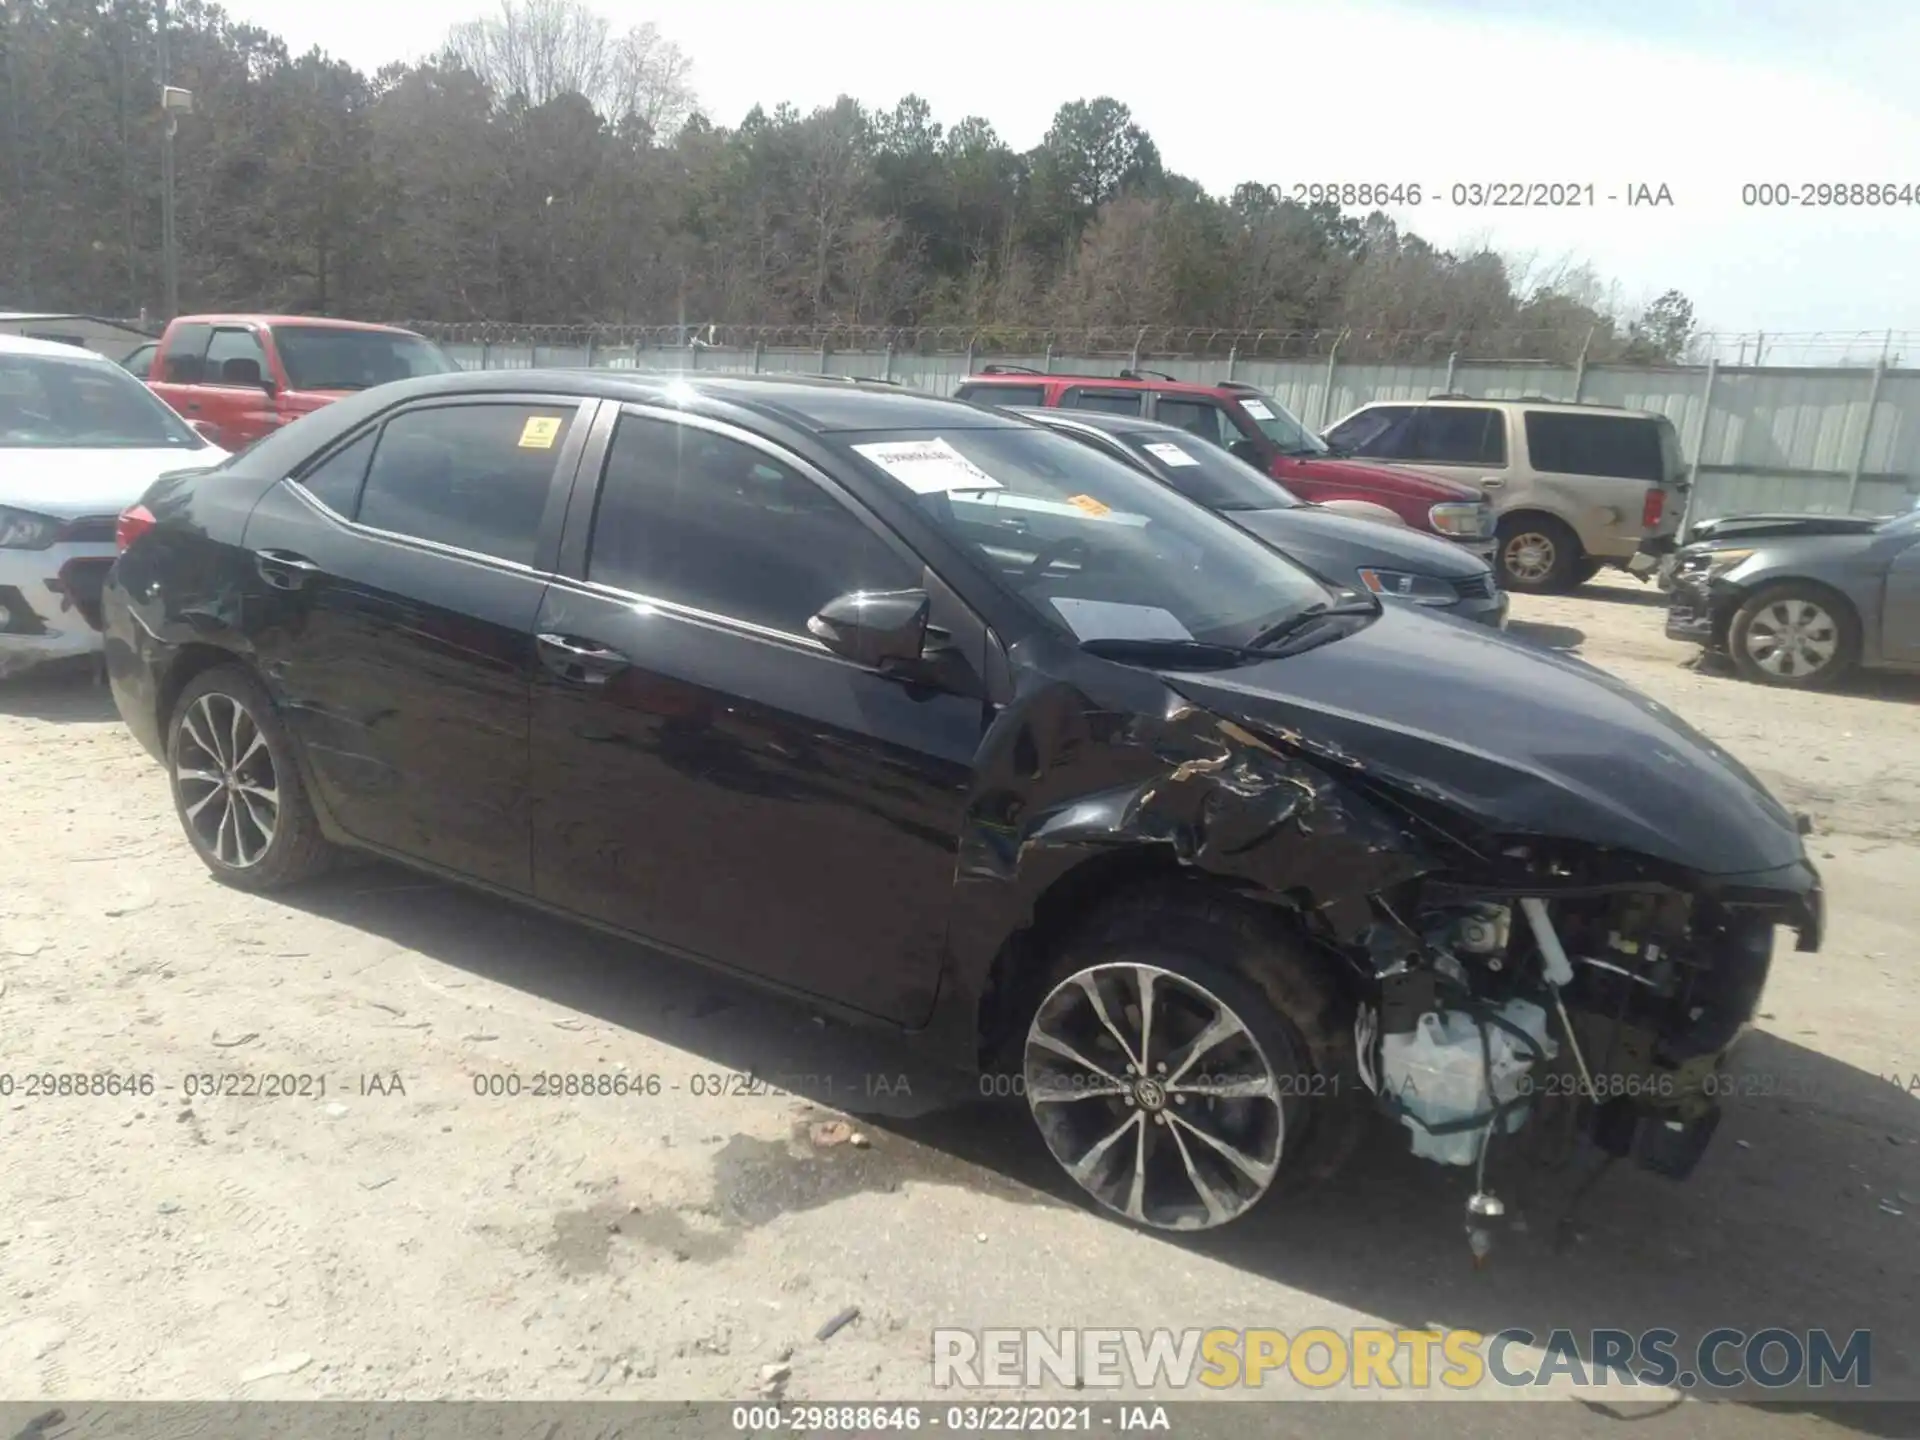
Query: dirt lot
[[401, 1236]]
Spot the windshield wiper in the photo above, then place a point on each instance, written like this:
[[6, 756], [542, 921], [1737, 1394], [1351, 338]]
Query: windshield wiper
[[1312, 615], [1196, 654]]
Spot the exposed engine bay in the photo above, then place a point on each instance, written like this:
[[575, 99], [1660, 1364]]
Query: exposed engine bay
[[1612, 1005]]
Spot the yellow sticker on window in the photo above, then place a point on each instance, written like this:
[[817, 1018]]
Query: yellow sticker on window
[[1089, 504], [540, 432]]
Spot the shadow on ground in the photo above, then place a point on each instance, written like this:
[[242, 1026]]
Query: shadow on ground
[[1862, 684], [1802, 1215], [63, 692], [1548, 637], [1625, 593]]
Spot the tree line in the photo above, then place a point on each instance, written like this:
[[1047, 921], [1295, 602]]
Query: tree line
[[544, 168]]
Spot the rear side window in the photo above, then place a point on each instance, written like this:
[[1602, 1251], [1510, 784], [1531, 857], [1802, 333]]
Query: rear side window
[[183, 362], [1032, 396], [234, 357], [1384, 432], [719, 525], [335, 481], [1460, 435], [1625, 447], [474, 476], [1201, 418], [1109, 402]]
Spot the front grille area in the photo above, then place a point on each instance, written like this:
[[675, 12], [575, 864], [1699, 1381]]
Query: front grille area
[[1479, 587], [84, 580], [89, 530]]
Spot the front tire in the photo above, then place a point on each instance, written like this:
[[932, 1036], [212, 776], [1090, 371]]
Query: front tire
[[236, 787], [1184, 1061], [1795, 635], [1539, 555]]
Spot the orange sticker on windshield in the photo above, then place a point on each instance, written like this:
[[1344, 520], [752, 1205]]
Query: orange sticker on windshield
[[1089, 504], [540, 432]]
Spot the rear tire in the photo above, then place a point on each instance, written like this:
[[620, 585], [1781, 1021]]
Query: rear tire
[[1794, 635], [236, 786], [1539, 555], [1186, 1060]]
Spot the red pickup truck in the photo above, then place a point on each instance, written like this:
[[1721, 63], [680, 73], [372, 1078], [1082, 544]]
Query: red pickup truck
[[238, 377]]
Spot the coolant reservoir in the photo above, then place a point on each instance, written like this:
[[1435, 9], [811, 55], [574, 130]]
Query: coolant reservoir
[[1439, 1076]]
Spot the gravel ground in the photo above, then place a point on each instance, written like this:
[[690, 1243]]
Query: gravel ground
[[403, 1237]]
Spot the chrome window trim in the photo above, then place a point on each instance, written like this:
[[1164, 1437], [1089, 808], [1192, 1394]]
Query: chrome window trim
[[712, 619]]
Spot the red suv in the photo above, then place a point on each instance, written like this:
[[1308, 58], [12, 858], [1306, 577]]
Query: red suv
[[1257, 428]]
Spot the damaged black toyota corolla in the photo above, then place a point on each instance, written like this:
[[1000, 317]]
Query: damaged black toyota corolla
[[946, 721]]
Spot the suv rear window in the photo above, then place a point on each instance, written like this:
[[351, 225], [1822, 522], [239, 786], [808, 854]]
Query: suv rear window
[[1624, 447]]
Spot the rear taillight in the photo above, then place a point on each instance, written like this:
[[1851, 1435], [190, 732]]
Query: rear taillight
[[1655, 507], [134, 522]]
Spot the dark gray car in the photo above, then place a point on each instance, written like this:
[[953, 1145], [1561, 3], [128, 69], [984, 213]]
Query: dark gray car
[[1388, 560], [1800, 600]]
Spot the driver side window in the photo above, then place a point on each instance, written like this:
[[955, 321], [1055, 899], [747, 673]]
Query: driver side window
[[711, 522]]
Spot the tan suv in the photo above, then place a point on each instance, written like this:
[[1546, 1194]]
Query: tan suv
[[1575, 487]]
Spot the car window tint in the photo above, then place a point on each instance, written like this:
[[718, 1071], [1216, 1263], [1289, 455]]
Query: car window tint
[[1111, 402], [1460, 435], [183, 362], [234, 357], [708, 521], [1198, 417], [1006, 395], [475, 476], [335, 481], [1623, 446], [1381, 433]]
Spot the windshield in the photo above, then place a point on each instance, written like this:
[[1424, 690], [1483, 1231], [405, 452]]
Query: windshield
[[1208, 475], [53, 404], [1090, 543], [1276, 422], [322, 357]]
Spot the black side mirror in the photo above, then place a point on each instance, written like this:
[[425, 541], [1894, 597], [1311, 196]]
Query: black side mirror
[[880, 629], [1247, 451]]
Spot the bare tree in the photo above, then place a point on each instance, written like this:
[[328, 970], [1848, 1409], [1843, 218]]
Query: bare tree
[[539, 50]]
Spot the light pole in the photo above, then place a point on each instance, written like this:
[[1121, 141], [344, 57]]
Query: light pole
[[174, 102]]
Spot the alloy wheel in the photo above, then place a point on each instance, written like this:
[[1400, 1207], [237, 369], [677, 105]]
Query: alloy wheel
[[229, 790], [1155, 1096], [1792, 638], [1530, 557]]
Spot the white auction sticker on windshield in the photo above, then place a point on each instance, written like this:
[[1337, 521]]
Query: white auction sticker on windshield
[[928, 467], [1169, 454], [1256, 409], [1112, 620]]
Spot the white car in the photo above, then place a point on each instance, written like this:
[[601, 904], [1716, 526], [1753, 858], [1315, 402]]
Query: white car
[[80, 441]]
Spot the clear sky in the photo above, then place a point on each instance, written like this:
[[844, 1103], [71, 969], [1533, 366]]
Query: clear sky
[[1701, 96]]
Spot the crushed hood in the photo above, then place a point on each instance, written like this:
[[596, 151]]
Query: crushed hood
[[1391, 478], [1520, 740], [1768, 527]]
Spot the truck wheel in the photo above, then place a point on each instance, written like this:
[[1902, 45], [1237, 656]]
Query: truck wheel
[[1538, 555], [1184, 1060]]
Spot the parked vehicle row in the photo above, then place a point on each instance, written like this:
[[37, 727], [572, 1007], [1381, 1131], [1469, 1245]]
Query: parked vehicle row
[[979, 729]]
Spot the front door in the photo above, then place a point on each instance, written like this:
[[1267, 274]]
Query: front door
[[395, 625], [705, 773], [1900, 608], [234, 396]]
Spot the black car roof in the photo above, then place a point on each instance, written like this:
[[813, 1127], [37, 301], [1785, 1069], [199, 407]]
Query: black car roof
[[1100, 420], [822, 404]]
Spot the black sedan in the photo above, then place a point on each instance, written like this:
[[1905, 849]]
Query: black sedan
[[938, 719], [1389, 560]]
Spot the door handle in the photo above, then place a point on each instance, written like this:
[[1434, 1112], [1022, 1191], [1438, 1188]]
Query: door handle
[[1491, 482], [580, 661], [284, 570]]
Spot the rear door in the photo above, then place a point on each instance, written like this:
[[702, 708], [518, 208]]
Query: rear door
[[181, 368], [1598, 472], [397, 583], [705, 773]]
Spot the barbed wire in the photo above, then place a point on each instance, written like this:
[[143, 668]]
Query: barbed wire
[[1490, 343]]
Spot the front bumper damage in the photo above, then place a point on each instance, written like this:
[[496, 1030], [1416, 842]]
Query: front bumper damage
[[50, 604]]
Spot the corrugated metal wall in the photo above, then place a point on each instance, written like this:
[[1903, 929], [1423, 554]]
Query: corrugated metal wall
[[1767, 438]]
